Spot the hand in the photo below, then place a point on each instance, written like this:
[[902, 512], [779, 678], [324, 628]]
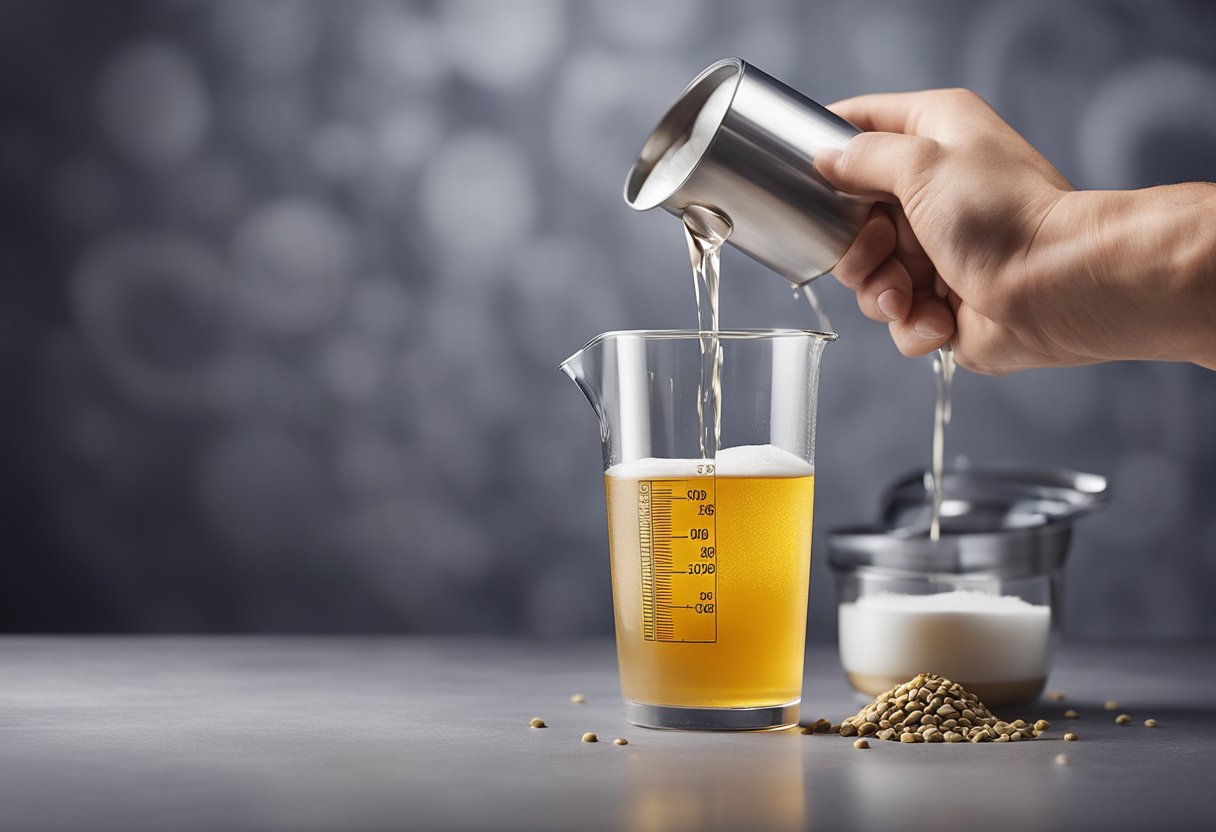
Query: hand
[[979, 242]]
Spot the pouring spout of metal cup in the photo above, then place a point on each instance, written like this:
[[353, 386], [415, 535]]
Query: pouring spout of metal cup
[[740, 146]]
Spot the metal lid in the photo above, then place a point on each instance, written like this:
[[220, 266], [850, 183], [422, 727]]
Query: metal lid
[[1001, 521]]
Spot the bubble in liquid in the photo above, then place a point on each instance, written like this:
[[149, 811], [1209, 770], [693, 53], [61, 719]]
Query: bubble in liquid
[[477, 196], [153, 104], [296, 258], [157, 309], [503, 46]]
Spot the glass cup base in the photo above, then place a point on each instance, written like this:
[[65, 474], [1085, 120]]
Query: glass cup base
[[677, 718]]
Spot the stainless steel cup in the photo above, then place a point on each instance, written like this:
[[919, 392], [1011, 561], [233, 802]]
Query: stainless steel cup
[[744, 144]]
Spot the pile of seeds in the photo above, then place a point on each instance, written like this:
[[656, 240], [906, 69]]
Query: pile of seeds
[[931, 708]]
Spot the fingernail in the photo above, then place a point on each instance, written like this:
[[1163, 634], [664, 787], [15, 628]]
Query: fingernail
[[889, 303], [928, 331]]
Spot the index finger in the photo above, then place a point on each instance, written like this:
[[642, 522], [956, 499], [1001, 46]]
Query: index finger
[[888, 112]]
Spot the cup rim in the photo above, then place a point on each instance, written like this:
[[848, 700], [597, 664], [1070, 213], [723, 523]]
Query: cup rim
[[743, 334], [675, 121]]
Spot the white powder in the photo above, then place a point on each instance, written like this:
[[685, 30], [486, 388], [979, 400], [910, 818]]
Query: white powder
[[740, 461], [970, 637]]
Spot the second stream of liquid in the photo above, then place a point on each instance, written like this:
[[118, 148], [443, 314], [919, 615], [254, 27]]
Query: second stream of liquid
[[705, 233], [943, 374]]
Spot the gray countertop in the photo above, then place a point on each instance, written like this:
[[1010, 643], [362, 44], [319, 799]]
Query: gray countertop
[[432, 734]]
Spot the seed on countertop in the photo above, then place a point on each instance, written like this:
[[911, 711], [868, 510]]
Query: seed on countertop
[[1056, 696], [821, 726], [537, 722], [1150, 723], [1062, 760], [590, 737], [806, 729], [620, 741], [1111, 705], [1070, 737], [1122, 719], [578, 699], [861, 744], [1071, 714], [933, 709]]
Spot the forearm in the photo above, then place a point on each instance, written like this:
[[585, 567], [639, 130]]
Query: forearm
[[1152, 255]]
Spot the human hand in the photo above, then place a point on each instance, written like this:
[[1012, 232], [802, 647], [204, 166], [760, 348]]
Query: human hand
[[979, 242]]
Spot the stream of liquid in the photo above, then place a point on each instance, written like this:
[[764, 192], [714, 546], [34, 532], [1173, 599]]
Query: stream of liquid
[[706, 231], [943, 375], [821, 315]]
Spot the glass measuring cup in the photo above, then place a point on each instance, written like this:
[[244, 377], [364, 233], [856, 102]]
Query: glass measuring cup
[[710, 556]]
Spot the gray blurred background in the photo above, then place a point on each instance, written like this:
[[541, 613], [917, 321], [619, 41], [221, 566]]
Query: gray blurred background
[[284, 285]]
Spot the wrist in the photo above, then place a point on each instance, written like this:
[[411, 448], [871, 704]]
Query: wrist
[[1152, 256]]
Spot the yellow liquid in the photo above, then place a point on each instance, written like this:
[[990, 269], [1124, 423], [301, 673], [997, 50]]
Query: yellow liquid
[[752, 654]]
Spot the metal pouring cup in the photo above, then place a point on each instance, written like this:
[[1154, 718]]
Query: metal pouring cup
[[748, 152]]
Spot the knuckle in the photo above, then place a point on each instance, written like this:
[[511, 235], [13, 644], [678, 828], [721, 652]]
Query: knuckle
[[924, 162], [925, 153], [963, 95]]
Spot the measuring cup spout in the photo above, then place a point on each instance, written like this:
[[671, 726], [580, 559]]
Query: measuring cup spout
[[586, 368], [576, 367]]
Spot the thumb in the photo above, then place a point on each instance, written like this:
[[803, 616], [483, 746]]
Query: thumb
[[879, 164]]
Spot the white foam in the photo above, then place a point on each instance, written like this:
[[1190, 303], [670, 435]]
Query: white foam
[[740, 461], [971, 637]]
